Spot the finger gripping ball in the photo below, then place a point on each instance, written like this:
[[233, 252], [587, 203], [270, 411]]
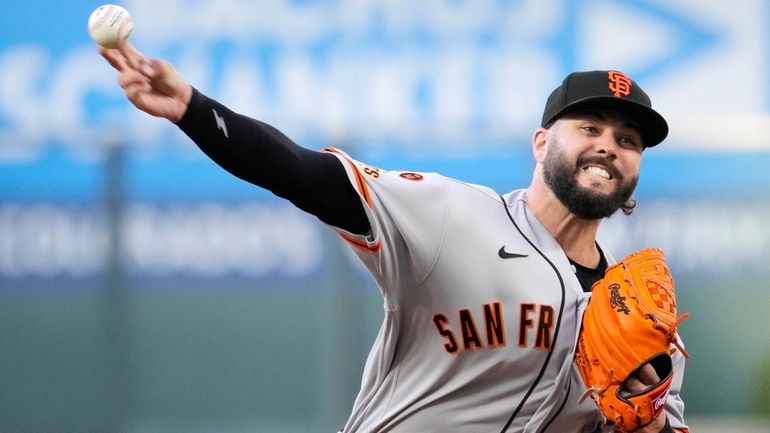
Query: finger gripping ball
[[110, 25]]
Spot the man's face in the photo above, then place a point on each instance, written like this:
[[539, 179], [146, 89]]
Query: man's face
[[592, 162]]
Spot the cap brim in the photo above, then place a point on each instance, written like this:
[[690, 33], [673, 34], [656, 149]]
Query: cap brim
[[653, 126]]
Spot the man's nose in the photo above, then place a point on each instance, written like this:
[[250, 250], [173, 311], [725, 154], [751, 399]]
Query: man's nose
[[606, 144]]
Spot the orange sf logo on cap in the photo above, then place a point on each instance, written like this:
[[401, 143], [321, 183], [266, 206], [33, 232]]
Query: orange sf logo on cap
[[619, 83]]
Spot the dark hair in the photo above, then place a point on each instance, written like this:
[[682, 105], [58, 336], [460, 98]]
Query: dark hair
[[628, 206]]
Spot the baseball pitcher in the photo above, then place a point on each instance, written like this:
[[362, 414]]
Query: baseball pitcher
[[502, 313]]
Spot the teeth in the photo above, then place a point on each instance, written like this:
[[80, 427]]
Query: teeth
[[598, 171]]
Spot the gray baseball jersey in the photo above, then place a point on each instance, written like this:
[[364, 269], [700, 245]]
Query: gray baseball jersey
[[482, 312]]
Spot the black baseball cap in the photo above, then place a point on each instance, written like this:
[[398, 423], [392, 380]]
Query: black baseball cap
[[606, 90]]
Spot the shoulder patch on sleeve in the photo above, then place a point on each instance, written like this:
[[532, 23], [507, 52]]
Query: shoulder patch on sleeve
[[408, 175]]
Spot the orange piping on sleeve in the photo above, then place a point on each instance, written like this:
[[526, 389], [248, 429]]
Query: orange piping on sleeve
[[361, 245], [363, 190]]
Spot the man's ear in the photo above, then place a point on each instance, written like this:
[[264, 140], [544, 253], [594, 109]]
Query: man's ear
[[540, 144]]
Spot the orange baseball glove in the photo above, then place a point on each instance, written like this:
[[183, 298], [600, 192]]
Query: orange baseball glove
[[630, 322]]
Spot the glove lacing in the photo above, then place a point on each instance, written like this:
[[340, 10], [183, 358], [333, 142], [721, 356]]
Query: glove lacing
[[595, 391], [670, 332]]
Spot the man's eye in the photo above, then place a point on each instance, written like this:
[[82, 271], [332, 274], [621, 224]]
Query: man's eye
[[589, 129], [628, 141]]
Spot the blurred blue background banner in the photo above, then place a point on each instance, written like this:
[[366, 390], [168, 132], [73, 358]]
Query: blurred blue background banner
[[170, 296], [385, 76], [187, 217]]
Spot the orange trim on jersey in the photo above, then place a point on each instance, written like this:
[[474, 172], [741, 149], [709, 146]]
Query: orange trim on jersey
[[681, 430], [363, 190], [361, 245]]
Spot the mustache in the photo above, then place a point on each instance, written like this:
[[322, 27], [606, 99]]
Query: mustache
[[600, 161]]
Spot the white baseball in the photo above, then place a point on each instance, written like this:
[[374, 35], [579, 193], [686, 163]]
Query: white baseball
[[110, 25]]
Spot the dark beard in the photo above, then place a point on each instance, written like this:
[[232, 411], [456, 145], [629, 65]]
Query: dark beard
[[562, 179]]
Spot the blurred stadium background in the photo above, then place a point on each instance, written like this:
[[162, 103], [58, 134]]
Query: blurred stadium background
[[143, 289]]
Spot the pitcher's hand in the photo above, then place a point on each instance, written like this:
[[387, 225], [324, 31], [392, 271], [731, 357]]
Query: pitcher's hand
[[152, 85], [645, 377]]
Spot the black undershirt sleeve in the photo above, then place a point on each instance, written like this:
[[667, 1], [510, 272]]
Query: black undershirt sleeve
[[256, 152]]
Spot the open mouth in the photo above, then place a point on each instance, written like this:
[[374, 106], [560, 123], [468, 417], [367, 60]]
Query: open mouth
[[598, 171]]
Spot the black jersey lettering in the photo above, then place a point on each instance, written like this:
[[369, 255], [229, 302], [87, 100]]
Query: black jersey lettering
[[470, 332], [441, 322], [543, 328], [544, 325], [493, 321], [525, 323], [467, 336]]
